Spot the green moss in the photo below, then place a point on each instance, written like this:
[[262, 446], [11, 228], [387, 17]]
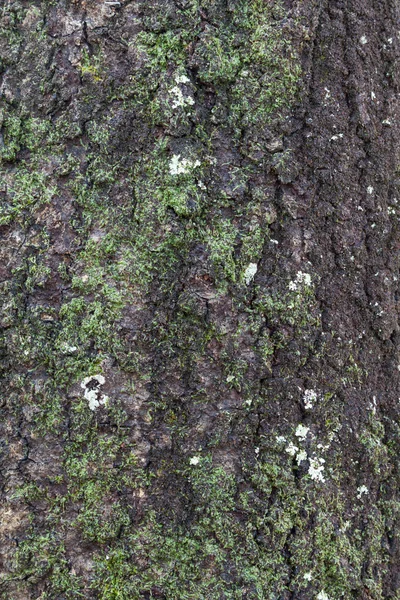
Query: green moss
[[163, 48], [41, 557], [372, 437], [255, 528], [92, 65], [221, 239]]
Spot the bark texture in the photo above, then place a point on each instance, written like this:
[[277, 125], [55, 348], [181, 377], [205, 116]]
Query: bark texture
[[199, 283]]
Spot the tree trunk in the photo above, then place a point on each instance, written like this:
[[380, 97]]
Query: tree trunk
[[199, 281]]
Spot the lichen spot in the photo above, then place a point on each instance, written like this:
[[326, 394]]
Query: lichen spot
[[362, 490], [92, 393], [249, 273], [310, 398], [301, 432], [315, 469], [291, 449], [301, 280], [180, 166]]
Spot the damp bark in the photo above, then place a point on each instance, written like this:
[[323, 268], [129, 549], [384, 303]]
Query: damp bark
[[199, 339]]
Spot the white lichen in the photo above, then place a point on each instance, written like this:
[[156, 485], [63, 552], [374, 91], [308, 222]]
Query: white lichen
[[304, 278], [182, 79], [249, 273], [180, 99], [323, 447], [291, 449], [301, 279], [92, 393], [301, 456], [362, 490], [180, 166], [67, 349], [301, 432], [315, 469], [310, 397]]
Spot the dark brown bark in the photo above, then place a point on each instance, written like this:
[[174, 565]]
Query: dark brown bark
[[199, 282]]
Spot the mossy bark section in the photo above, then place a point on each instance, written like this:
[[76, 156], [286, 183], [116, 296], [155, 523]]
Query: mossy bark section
[[199, 341]]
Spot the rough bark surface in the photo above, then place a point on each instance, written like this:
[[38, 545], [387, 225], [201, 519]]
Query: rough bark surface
[[199, 279]]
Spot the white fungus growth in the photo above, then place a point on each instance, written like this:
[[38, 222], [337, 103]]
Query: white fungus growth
[[301, 432], [92, 392], [194, 460], [250, 272], [178, 166], [315, 469], [362, 490]]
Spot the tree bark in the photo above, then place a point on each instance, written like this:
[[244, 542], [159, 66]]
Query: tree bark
[[199, 279]]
